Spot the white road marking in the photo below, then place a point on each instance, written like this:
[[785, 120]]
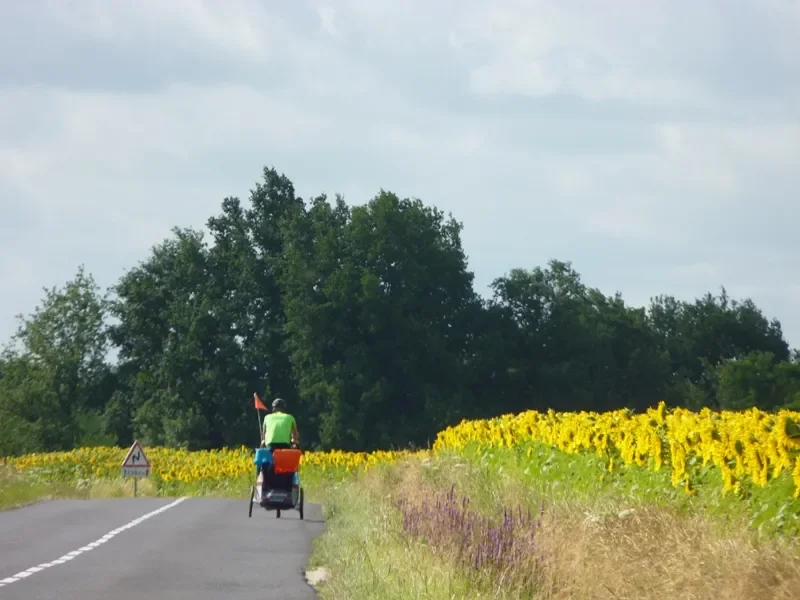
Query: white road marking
[[70, 555]]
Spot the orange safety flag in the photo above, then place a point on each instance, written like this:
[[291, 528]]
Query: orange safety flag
[[259, 404]]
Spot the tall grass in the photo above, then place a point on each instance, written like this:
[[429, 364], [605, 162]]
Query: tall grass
[[367, 552], [444, 529], [20, 489]]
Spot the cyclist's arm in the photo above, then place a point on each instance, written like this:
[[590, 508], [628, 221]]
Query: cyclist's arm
[[295, 432]]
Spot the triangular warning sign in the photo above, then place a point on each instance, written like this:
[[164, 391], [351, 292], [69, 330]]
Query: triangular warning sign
[[136, 457]]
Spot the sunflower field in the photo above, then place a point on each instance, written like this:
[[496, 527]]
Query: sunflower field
[[185, 467], [751, 447]]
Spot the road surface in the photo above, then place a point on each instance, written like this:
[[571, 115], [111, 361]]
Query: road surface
[[149, 548]]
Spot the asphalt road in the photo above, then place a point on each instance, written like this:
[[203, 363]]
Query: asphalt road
[[197, 548]]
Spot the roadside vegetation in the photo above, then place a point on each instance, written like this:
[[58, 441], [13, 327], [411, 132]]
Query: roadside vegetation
[[22, 489], [458, 528], [544, 506]]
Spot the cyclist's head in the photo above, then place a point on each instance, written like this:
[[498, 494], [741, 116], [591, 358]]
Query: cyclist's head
[[278, 404]]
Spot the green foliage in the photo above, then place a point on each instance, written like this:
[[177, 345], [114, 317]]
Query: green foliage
[[576, 348], [758, 379], [376, 299], [55, 370], [365, 320]]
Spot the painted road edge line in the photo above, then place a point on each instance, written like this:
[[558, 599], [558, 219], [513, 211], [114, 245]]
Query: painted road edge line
[[99, 542]]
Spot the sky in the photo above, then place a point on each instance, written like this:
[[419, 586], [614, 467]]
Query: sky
[[655, 145]]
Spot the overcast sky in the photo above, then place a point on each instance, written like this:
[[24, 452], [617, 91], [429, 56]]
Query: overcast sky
[[654, 144]]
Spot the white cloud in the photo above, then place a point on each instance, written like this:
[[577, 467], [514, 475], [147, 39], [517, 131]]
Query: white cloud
[[655, 145], [693, 272], [542, 48], [327, 16], [241, 30]]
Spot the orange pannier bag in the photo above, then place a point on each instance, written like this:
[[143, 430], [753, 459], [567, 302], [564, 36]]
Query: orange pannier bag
[[286, 460]]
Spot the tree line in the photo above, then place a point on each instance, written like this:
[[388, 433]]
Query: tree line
[[366, 321]]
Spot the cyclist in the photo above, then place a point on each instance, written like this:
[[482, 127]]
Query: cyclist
[[280, 431], [280, 428]]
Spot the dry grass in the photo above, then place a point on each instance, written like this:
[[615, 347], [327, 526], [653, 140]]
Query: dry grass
[[116, 488], [644, 553], [649, 553], [17, 490]]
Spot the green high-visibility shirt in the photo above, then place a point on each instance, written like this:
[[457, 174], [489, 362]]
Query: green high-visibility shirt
[[278, 428]]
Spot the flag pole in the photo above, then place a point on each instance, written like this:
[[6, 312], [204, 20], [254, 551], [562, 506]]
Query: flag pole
[[259, 405]]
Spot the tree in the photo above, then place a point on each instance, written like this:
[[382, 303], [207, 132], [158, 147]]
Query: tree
[[376, 303], [700, 335], [164, 315], [576, 348], [759, 380], [55, 374], [274, 205], [201, 327]]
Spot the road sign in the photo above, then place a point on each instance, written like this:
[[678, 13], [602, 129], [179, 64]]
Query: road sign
[[136, 463]]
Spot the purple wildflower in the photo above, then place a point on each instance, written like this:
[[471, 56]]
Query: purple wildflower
[[489, 546]]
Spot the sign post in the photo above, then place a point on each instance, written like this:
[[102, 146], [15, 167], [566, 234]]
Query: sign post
[[136, 464]]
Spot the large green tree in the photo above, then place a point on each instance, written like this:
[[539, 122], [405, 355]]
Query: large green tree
[[377, 298], [758, 379], [164, 317], [55, 377], [201, 327], [698, 336], [574, 347]]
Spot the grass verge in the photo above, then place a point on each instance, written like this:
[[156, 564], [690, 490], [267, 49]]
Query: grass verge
[[366, 551], [18, 490], [398, 532]]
